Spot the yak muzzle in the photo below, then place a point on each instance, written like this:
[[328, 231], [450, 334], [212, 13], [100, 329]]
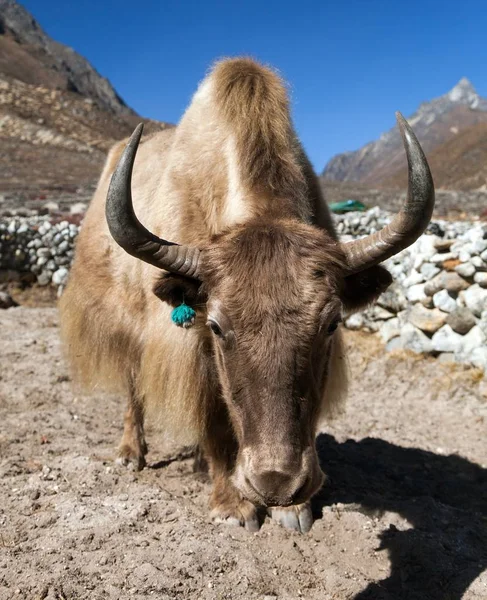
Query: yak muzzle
[[268, 477]]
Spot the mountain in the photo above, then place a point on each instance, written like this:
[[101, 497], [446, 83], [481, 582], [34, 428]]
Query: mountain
[[435, 123], [28, 54], [58, 116]]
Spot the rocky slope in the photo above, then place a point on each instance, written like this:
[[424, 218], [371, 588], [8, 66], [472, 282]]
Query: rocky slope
[[435, 123], [27, 53], [58, 116]]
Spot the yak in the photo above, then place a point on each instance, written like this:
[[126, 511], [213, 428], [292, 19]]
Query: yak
[[224, 215]]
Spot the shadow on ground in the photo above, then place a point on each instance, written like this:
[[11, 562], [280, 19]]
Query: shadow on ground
[[443, 497]]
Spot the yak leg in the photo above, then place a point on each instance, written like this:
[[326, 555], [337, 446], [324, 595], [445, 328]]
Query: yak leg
[[132, 449], [227, 504]]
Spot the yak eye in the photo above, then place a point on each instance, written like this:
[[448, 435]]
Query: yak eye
[[333, 326], [216, 329]]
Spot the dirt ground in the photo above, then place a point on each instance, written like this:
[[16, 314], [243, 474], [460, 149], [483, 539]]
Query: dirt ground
[[402, 516]]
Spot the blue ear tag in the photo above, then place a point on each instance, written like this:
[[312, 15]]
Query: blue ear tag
[[183, 316]]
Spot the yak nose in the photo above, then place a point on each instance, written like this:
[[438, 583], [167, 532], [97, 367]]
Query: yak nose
[[278, 488]]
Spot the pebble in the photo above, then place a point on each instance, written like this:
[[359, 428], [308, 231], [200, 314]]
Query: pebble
[[466, 269], [478, 263], [475, 338], [390, 329], [425, 319], [444, 301], [428, 271], [481, 279], [412, 338], [416, 293], [461, 320], [446, 340], [354, 322], [475, 299]]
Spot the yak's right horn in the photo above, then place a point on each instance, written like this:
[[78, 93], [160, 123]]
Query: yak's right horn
[[130, 234]]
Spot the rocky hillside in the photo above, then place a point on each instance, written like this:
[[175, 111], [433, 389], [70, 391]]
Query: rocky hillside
[[58, 116], [436, 123], [28, 54]]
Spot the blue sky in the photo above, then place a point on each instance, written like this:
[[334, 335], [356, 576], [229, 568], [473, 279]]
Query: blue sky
[[350, 64]]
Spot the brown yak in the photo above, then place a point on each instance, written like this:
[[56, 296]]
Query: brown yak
[[253, 251]]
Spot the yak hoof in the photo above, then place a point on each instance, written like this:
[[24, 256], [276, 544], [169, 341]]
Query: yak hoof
[[295, 518], [243, 514], [127, 457]]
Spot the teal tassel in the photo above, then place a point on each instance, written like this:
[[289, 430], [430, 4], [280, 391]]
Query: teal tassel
[[183, 316]]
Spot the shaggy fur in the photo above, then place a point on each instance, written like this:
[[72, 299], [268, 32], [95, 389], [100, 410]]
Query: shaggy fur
[[232, 179]]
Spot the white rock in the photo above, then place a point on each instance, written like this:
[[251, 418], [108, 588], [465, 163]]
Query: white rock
[[51, 206], [416, 293], [466, 269], [482, 323], [389, 329], [418, 260], [44, 278], [481, 279], [78, 208], [413, 278], [478, 262], [439, 259], [60, 277], [446, 340], [478, 358], [354, 322], [426, 245], [464, 256], [479, 246], [444, 302], [475, 299], [428, 271], [473, 339], [413, 339]]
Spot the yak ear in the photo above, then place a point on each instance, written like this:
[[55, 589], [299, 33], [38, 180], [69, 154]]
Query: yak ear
[[177, 289], [364, 287]]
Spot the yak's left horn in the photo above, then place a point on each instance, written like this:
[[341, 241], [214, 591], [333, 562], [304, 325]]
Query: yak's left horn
[[130, 234], [411, 221]]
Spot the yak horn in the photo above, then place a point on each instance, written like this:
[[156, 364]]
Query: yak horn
[[412, 219], [130, 234]]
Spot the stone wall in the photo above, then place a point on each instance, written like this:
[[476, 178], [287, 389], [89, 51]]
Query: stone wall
[[437, 304]]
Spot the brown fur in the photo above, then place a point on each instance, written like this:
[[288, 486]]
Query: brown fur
[[232, 179]]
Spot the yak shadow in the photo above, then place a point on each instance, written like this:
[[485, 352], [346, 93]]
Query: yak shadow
[[443, 497]]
